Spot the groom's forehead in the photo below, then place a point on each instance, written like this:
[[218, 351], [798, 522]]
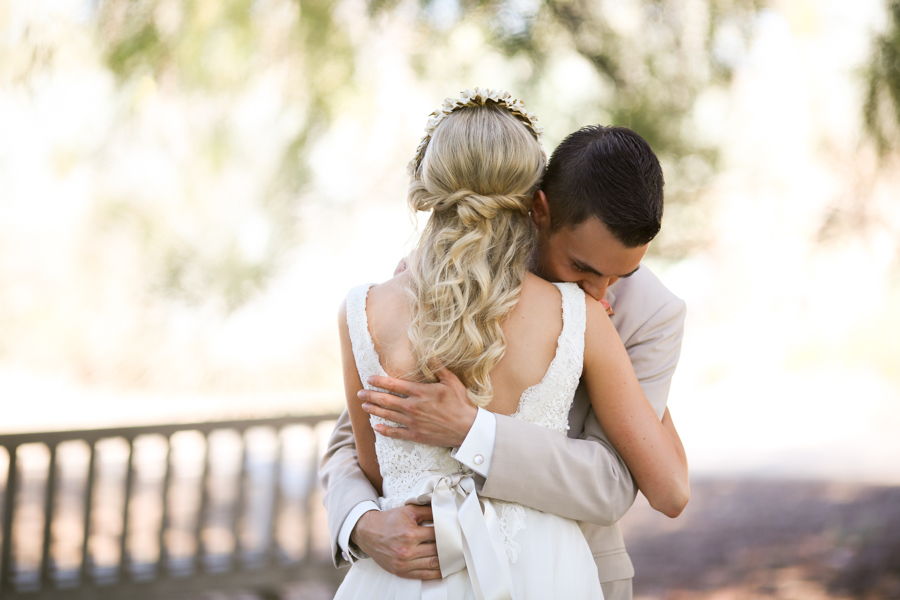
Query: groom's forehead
[[592, 244], [589, 234]]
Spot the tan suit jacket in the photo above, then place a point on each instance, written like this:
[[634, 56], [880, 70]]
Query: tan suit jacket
[[581, 476]]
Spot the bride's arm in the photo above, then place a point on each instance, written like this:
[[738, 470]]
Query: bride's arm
[[651, 449], [673, 433], [359, 419]]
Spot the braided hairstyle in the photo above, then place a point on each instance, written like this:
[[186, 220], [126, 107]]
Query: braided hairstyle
[[478, 176]]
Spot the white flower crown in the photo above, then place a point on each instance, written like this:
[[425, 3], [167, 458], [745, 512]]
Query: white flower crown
[[476, 97]]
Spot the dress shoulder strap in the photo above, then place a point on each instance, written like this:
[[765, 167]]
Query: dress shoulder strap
[[367, 362], [574, 314], [548, 402]]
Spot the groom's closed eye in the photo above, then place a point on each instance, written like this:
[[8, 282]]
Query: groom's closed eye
[[583, 268], [580, 266]]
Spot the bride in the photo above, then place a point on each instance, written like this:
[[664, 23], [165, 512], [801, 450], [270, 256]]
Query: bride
[[468, 302]]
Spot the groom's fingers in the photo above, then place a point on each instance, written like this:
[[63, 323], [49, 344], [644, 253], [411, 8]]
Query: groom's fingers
[[385, 401], [423, 563], [417, 557], [384, 413], [394, 386], [423, 568], [397, 433], [424, 574], [424, 548], [449, 379], [421, 513], [446, 376]]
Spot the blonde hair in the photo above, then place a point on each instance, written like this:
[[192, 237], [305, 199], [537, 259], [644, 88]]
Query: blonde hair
[[478, 176]]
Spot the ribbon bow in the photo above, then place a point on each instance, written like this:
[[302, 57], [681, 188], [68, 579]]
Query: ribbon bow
[[464, 536]]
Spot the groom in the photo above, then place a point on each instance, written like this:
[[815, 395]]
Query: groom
[[600, 204]]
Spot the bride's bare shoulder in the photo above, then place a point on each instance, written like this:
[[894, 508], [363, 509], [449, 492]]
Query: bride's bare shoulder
[[540, 290], [389, 298], [539, 296]]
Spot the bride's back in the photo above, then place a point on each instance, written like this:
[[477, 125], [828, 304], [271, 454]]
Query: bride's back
[[531, 333], [467, 301]]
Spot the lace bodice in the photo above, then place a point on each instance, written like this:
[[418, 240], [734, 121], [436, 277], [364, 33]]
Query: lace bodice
[[547, 403]]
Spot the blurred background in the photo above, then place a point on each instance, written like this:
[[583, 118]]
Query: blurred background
[[189, 188]]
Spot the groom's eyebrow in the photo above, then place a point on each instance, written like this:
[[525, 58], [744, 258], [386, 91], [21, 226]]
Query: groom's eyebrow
[[587, 267]]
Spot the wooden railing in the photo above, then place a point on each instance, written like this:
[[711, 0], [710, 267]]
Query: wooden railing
[[164, 511]]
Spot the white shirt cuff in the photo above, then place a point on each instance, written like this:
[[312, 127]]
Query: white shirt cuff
[[349, 551], [477, 448]]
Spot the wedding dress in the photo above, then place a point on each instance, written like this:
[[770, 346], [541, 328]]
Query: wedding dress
[[489, 549]]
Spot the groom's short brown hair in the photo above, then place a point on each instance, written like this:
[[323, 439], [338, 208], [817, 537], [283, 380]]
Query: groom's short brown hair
[[610, 173]]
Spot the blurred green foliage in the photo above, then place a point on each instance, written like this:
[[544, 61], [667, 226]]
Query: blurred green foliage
[[857, 211], [215, 51], [881, 110], [653, 57]]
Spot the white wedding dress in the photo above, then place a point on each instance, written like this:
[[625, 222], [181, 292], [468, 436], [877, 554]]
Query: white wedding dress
[[502, 550]]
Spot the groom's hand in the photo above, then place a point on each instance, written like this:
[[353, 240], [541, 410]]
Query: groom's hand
[[437, 414], [397, 542]]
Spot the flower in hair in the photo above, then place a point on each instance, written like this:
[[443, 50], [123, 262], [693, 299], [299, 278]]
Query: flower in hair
[[476, 97]]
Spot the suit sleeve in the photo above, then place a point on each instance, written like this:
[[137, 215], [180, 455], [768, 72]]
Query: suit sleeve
[[346, 486], [654, 350], [585, 479]]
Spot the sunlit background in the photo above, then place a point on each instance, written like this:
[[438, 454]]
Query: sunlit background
[[188, 190]]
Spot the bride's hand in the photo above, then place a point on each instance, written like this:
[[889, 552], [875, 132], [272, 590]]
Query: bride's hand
[[437, 414]]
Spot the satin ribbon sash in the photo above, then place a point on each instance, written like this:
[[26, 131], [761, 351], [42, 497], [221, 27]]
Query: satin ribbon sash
[[463, 535]]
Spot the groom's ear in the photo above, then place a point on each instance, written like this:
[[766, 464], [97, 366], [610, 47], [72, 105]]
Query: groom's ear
[[540, 211]]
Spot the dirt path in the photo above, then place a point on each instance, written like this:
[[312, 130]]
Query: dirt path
[[743, 540], [769, 539]]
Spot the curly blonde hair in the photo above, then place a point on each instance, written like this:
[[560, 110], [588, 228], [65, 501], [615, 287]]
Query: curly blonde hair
[[478, 176]]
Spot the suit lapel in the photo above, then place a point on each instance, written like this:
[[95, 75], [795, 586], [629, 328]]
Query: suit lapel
[[617, 317], [611, 298]]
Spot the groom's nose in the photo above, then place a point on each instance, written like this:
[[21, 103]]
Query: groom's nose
[[596, 288]]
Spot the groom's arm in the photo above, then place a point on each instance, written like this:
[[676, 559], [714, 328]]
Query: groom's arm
[[393, 538], [348, 492], [583, 479]]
